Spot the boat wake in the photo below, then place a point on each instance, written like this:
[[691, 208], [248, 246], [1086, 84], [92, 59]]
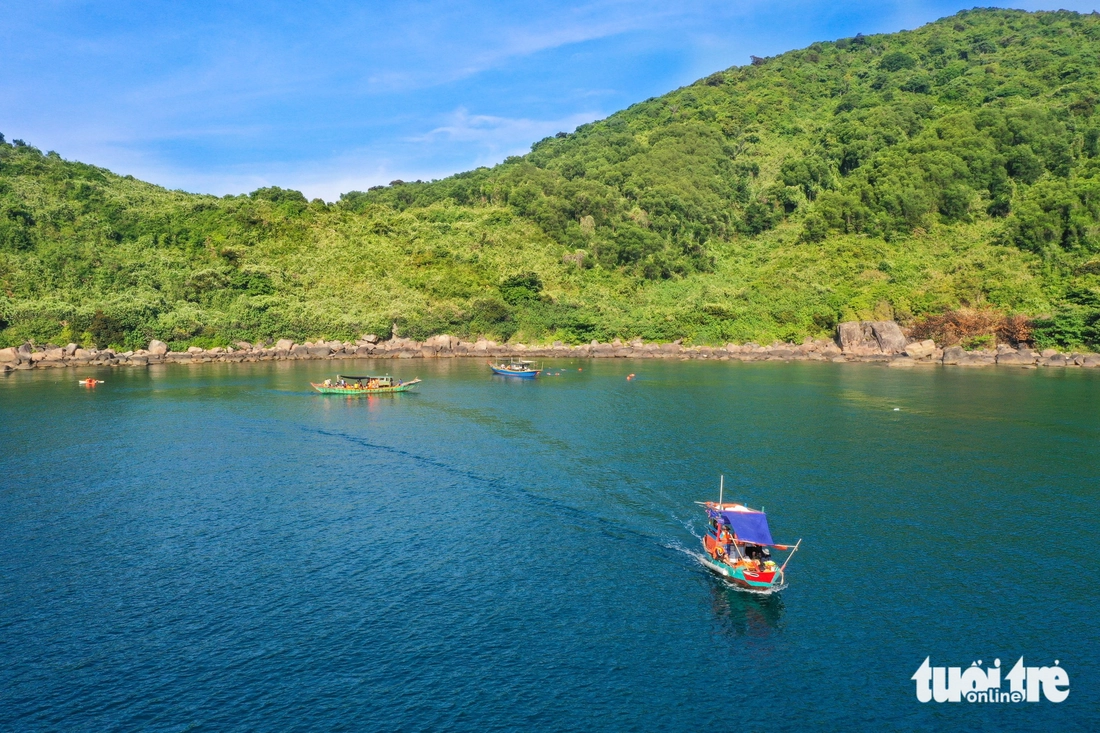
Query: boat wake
[[700, 558]]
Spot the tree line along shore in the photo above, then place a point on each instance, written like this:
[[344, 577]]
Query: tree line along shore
[[859, 341], [905, 176]]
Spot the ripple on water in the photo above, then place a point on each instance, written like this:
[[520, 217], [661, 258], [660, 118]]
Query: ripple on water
[[221, 549]]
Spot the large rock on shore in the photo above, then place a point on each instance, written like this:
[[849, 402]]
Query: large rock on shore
[[889, 337], [856, 337], [920, 349], [866, 338], [443, 342], [954, 355], [158, 348], [1016, 358], [9, 355], [284, 345]]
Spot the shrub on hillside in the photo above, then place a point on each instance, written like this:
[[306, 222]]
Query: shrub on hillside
[[970, 326]]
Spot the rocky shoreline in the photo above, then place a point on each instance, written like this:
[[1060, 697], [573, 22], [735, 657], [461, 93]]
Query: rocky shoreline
[[864, 341]]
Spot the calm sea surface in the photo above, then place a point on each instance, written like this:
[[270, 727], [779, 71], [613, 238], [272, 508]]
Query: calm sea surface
[[217, 548]]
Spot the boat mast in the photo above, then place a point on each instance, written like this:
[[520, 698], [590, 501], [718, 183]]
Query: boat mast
[[721, 488]]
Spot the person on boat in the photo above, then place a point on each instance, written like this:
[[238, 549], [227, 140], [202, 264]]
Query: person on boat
[[725, 538], [759, 555]]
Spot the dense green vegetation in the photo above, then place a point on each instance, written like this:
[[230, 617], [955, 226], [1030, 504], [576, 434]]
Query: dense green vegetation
[[898, 175]]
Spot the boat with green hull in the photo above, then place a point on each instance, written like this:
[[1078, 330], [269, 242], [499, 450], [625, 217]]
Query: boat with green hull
[[738, 546], [358, 386]]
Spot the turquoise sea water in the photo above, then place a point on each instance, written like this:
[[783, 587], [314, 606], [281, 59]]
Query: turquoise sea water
[[217, 548]]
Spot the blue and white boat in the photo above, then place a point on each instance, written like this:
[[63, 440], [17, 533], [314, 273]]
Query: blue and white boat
[[516, 368]]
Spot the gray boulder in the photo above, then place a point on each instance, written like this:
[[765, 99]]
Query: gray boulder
[[442, 342], [889, 336], [870, 337], [158, 348], [856, 337], [284, 345], [9, 355], [1015, 359], [954, 355]]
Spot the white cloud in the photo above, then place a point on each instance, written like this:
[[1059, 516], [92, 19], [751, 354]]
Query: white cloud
[[344, 95], [502, 131]]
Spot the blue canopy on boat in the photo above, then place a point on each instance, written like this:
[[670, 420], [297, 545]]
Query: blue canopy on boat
[[748, 525]]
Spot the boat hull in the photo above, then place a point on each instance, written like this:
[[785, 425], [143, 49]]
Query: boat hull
[[528, 374], [745, 578], [355, 392]]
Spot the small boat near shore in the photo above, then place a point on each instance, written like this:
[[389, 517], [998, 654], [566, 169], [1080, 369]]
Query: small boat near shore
[[516, 368], [355, 386], [738, 546]]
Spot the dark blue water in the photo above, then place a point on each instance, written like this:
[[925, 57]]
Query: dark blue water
[[216, 548]]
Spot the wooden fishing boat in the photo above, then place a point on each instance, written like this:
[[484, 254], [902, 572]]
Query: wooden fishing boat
[[738, 546], [355, 386], [516, 368]]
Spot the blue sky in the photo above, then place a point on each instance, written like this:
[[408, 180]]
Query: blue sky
[[330, 96]]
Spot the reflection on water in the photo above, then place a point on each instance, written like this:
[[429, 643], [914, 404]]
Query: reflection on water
[[745, 613]]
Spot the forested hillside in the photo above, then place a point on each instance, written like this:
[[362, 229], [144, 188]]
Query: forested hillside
[[892, 176]]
